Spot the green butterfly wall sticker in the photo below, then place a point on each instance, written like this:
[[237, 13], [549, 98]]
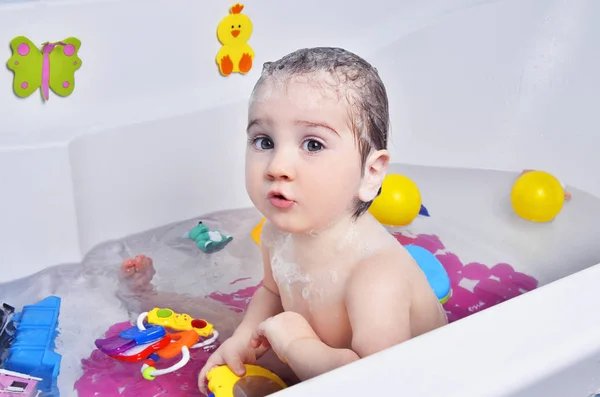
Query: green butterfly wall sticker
[[53, 67]]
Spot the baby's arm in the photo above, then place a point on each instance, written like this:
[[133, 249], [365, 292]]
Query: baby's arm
[[378, 303], [265, 302], [236, 350], [308, 356]]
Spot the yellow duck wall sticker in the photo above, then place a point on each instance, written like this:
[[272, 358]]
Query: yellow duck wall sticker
[[233, 32]]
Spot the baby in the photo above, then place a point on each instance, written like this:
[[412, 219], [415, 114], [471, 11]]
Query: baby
[[337, 285]]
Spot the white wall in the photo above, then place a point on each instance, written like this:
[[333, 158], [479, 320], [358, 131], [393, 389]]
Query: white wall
[[39, 225], [506, 85], [154, 173], [496, 84]]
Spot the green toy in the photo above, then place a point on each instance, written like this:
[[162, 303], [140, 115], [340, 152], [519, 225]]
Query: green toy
[[51, 68], [207, 240]]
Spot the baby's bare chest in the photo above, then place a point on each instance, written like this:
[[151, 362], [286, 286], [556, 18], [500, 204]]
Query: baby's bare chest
[[318, 295]]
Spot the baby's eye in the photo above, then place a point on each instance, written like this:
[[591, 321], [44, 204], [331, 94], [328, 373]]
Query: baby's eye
[[263, 143], [312, 145]]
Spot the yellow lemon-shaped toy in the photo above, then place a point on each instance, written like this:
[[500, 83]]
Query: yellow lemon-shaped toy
[[257, 382], [399, 202], [256, 232], [537, 196]]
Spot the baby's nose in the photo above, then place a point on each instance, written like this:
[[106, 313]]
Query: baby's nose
[[279, 173], [281, 167]]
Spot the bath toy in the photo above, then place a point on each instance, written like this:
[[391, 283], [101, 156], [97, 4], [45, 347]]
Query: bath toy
[[51, 68], [32, 351], [149, 341], [142, 336], [180, 322], [207, 240], [257, 382], [15, 384], [143, 351], [181, 342], [537, 196], [255, 234], [7, 330], [129, 339], [6, 314], [399, 202], [567, 194], [234, 31], [434, 271]]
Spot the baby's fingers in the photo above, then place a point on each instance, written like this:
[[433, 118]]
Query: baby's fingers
[[214, 361], [255, 341], [258, 339], [258, 342], [202, 381], [234, 362]]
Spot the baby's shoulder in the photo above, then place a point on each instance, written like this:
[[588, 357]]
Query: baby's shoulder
[[387, 265], [388, 257], [381, 278], [382, 251]]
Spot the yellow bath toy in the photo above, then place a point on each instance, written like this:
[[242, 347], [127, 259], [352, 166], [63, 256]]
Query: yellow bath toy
[[233, 32], [180, 322], [399, 202], [537, 196], [257, 231], [257, 382]]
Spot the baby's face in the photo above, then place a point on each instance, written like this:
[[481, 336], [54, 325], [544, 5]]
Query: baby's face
[[303, 167]]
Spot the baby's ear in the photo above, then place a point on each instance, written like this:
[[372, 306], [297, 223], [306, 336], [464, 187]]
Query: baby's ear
[[376, 168]]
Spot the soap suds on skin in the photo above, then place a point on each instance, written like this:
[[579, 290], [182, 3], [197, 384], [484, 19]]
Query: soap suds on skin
[[312, 273], [305, 292], [286, 272]]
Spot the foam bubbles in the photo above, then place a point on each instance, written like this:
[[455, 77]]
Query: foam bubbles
[[92, 296]]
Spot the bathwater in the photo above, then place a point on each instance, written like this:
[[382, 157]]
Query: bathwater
[[490, 255]]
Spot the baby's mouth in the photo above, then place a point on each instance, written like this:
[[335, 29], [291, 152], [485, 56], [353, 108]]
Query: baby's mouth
[[277, 196], [279, 200]]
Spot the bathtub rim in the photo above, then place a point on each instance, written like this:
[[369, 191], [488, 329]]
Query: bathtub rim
[[499, 369]]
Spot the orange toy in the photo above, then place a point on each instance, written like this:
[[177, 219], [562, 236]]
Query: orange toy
[[181, 342], [178, 341]]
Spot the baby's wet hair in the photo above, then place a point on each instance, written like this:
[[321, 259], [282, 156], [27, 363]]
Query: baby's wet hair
[[359, 84]]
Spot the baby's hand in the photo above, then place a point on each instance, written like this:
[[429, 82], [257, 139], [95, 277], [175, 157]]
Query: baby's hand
[[234, 353], [280, 331]]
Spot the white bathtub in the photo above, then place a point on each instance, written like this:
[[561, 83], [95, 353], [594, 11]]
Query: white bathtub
[[476, 84]]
